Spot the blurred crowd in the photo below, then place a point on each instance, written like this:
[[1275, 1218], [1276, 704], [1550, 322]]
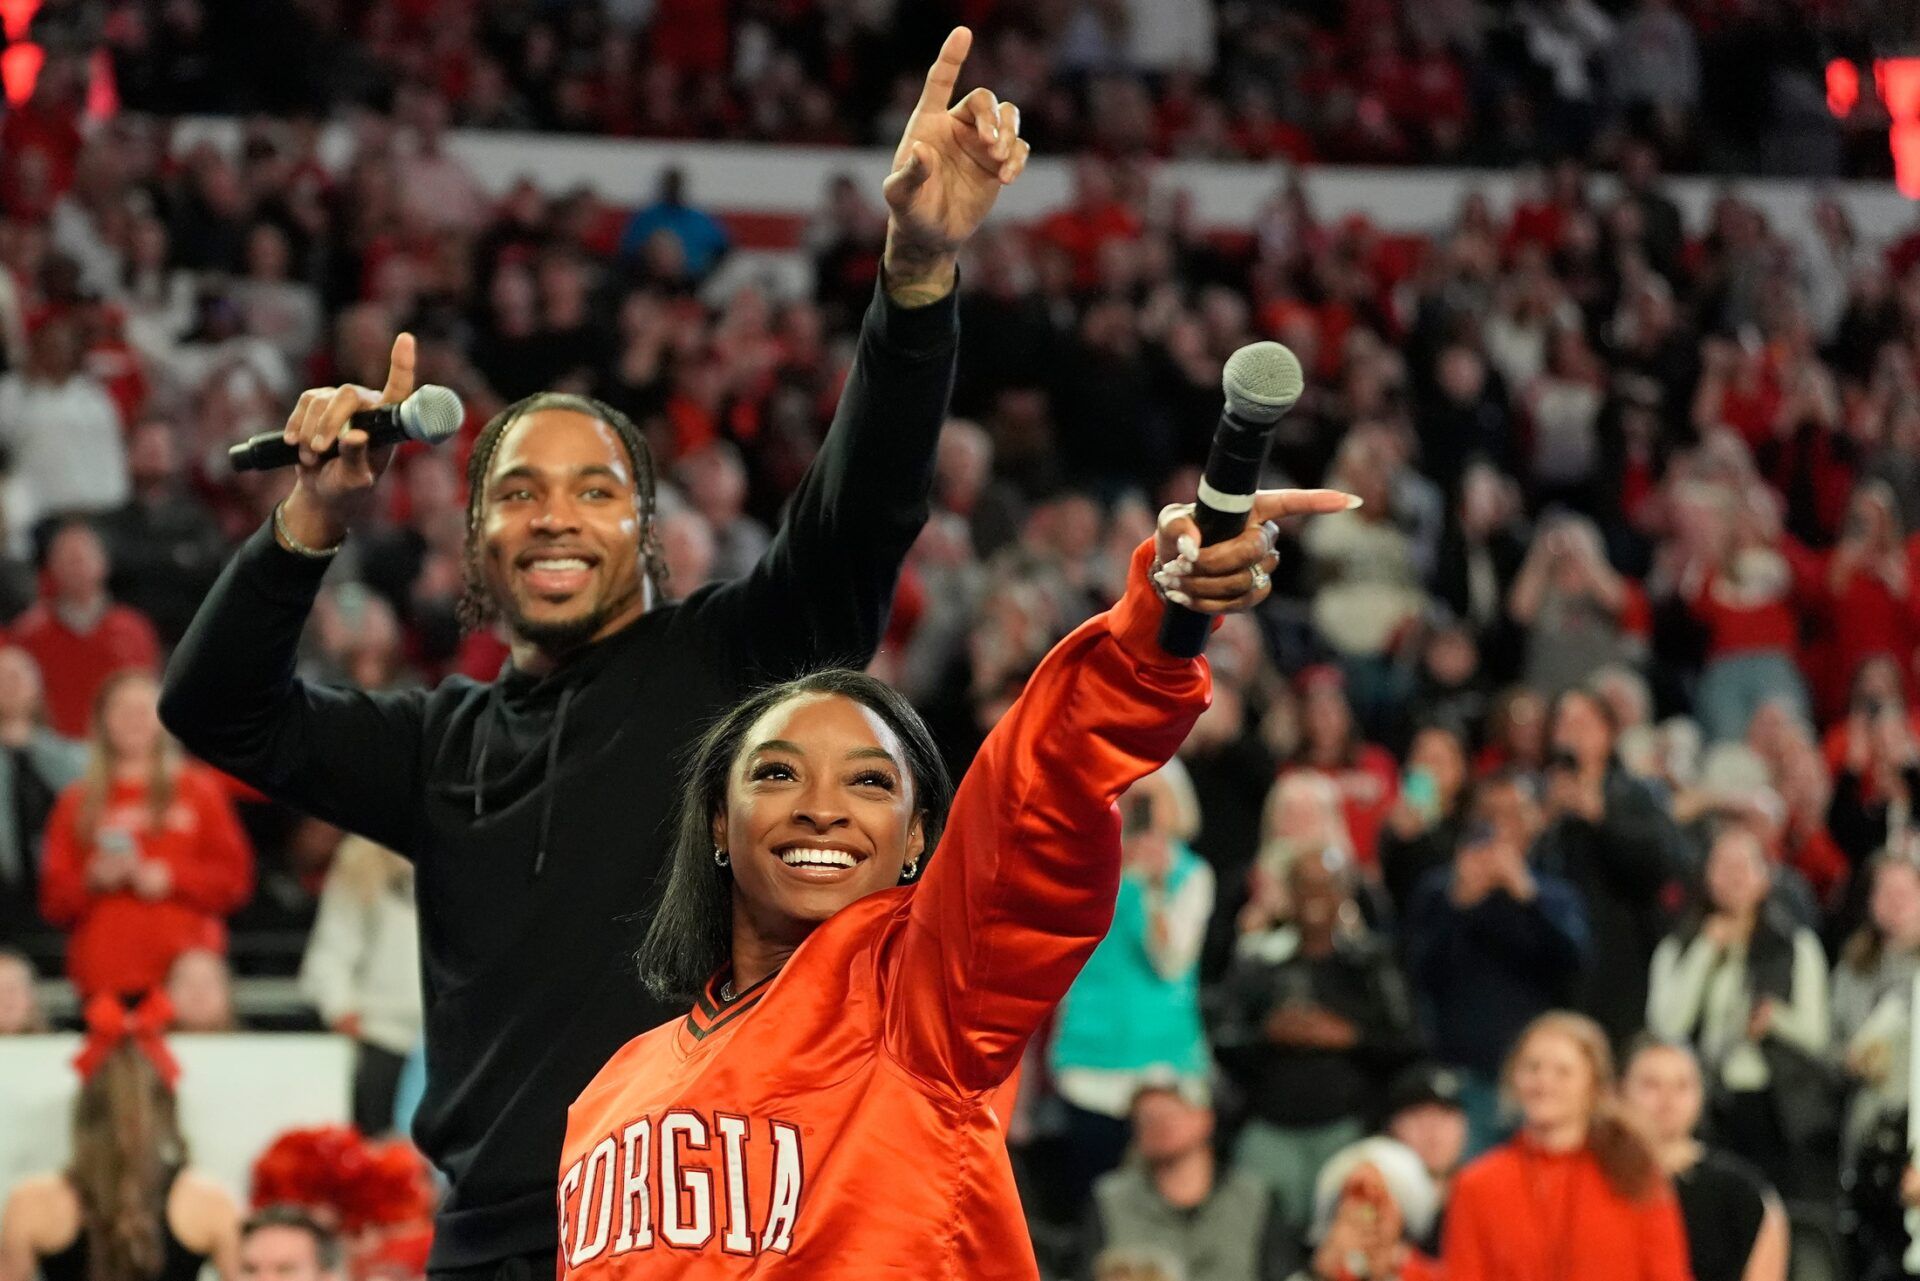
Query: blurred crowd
[[1602, 703], [1732, 86]]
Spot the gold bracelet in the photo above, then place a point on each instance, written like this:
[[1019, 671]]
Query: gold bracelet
[[294, 545]]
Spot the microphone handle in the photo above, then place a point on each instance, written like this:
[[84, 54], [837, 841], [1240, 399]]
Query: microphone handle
[[1226, 497], [269, 450]]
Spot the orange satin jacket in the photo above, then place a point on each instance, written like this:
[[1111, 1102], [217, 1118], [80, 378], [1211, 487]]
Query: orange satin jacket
[[846, 1117]]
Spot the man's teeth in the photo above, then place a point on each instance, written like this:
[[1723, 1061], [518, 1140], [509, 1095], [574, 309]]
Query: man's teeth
[[817, 858], [562, 563]]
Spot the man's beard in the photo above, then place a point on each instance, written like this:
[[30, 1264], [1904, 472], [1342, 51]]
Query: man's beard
[[562, 635]]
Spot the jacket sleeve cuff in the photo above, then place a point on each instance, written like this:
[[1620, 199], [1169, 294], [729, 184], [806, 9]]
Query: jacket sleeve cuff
[[275, 572], [1135, 620], [929, 330]]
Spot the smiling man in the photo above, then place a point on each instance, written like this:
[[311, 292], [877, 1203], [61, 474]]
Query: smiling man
[[533, 806]]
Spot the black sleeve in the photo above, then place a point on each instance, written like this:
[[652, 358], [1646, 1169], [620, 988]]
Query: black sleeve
[[343, 755], [1389, 1034], [1236, 1011], [1541, 937], [1428, 927], [1641, 847], [1282, 1254], [1093, 1239], [1858, 831], [821, 593]]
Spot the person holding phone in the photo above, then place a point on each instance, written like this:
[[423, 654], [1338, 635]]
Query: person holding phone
[[1492, 944], [1872, 585], [145, 856], [1424, 825], [1609, 835]]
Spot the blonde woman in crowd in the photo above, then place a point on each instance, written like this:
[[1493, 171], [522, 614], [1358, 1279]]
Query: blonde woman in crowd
[[145, 856], [1303, 814], [362, 970], [1578, 1193]]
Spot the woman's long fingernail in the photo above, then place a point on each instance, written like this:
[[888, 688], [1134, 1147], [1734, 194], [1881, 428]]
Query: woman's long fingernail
[[1354, 501], [1179, 598], [1189, 549]]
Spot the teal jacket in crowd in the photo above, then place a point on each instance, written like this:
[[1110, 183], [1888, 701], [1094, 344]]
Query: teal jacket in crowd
[[1121, 1014]]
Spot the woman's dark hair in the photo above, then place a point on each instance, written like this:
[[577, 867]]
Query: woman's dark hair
[[1601, 708], [692, 931], [476, 608], [1866, 945]]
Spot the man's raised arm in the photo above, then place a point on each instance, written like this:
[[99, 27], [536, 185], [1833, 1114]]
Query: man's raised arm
[[822, 591], [343, 755]]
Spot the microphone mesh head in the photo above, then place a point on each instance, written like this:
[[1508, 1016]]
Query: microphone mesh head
[[431, 414], [1262, 380]]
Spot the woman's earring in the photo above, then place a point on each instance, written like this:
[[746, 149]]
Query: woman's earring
[[720, 857], [910, 871]]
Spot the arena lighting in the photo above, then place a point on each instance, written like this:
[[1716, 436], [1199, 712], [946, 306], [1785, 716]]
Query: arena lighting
[[1843, 87], [20, 64], [1898, 83]]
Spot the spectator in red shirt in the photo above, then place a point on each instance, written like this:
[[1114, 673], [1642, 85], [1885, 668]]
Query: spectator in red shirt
[[1747, 593], [40, 140], [1873, 583], [76, 633], [1095, 217], [144, 855], [1578, 1193], [1331, 744]]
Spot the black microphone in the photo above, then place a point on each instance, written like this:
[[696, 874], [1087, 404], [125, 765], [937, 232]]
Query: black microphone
[[430, 415], [1262, 381]]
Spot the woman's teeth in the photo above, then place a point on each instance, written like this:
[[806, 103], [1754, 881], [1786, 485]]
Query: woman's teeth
[[817, 858]]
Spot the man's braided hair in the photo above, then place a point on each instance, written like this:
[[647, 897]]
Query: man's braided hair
[[477, 607]]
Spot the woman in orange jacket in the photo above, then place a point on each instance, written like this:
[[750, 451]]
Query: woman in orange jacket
[[835, 1102], [144, 855], [1578, 1194]]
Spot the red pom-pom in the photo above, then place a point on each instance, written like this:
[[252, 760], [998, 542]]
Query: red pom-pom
[[339, 1175]]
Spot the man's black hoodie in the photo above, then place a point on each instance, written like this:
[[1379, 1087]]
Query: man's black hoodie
[[536, 809]]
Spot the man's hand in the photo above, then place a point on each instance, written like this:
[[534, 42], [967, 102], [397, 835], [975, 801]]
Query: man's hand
[[330, 493], [1220, 579], [947, 172]]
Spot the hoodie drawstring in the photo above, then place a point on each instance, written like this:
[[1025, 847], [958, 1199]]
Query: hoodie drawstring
[[546, 783], [480, 761]]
